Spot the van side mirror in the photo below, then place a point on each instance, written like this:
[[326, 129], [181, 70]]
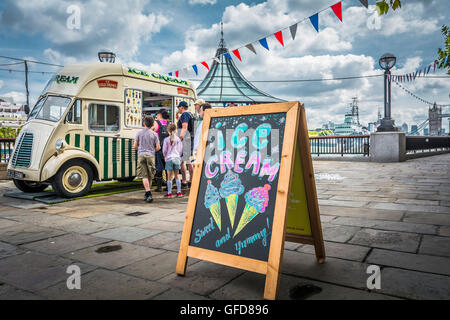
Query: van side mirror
[[26, 108]]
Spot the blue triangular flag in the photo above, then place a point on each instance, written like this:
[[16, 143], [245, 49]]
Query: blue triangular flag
[[227, 55], [263, 42], [170, 73], [315, 21], [195, 69]]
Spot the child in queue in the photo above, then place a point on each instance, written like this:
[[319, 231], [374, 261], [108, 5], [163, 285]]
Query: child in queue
[[172, 150]]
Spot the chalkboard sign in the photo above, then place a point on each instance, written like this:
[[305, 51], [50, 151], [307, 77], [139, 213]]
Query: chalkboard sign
[[240, 190]]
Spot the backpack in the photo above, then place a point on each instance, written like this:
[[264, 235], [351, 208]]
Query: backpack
[[162, 131], [191, 124]]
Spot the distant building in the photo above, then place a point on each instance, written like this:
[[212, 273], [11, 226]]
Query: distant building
[[404, 127], [414, 130], [9, 109], [426, 132], [435, 120]]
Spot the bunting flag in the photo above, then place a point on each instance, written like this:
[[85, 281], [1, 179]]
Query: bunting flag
[[227, 55], [337, 9], [205, 64], [315, 21], [263, 42], [170, 74], [237, 54], [279, 36], [177, 73], [293, 30], [365, 3], [251, 48]]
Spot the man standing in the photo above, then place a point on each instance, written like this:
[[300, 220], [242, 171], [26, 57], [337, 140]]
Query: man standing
[[185, 127], [147, 144], [197, 104]]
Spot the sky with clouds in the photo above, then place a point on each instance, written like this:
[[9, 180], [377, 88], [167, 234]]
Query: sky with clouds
[[169, 35]]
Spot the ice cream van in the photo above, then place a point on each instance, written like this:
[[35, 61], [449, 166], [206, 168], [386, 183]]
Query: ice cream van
[[83, 125]]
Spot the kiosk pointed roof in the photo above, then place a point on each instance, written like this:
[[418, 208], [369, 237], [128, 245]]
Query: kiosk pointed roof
[[225, 84]]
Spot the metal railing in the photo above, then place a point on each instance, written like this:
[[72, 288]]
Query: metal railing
[[6, 149], [340, 145], [422, 144]]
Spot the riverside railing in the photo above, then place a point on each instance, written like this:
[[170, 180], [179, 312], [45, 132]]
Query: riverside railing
[[330, 145], [340, 145], [425, 144], [6, 149]]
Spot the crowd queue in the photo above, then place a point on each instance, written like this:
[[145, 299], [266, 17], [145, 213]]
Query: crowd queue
[[169, 147]]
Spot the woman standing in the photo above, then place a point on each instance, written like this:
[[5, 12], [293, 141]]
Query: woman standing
[[172, 150]]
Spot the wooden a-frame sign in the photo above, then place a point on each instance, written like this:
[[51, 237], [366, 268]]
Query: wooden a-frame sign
[[253, 188]]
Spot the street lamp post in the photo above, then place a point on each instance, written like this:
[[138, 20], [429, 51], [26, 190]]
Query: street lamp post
[[387, 61], [107, 56]]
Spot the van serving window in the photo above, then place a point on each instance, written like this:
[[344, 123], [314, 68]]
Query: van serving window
[[103, 117]]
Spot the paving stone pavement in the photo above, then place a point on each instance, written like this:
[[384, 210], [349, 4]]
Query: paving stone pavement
[[396, 216]]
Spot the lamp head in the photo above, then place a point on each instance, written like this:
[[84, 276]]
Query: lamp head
[[107, 56], [387, 61]]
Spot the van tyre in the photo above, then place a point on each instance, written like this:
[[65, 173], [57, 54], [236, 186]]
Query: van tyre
[[73, 179], [30, 186]]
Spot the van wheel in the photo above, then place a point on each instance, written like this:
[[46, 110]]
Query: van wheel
[[30, 186], [73, 179]]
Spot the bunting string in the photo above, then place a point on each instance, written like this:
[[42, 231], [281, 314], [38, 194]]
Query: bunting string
[[419, 98], [314, 19]]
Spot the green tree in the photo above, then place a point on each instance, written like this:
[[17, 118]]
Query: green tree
[[443, 61], [384, 6]]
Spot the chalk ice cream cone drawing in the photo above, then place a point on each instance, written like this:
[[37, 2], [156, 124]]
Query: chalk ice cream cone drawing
[[257, 201], [212, 202], [230, 189]]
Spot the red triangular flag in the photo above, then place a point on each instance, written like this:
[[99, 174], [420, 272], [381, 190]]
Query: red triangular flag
[[205, 64], [279, 36], [237, 54], [176, 73], [337, 9]]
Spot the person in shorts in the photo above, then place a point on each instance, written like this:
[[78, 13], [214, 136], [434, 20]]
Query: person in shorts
[[185, 127], [172, 149], [147, 144]]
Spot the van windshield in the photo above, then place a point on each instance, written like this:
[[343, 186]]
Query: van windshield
[[50, 108]]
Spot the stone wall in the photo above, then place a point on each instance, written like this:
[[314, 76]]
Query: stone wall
[[3, 175]]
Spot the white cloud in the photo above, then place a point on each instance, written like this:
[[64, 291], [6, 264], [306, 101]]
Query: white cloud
[[115, 25], [18, 97], [202, 2]]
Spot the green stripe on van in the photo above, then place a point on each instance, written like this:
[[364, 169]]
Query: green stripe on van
[[114, 156], [97, 149], [105, 157], [68, 138], [122, 158], [77, 140], [87, 143], [130, 158]]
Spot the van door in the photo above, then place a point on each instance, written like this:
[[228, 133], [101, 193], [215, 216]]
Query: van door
[[73, 125]]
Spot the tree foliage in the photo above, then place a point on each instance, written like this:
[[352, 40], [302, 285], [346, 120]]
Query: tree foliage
[[443, 61], [384, 6]]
